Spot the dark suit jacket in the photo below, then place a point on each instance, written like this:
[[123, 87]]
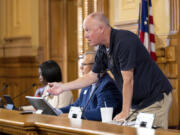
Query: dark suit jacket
[[106, 91]]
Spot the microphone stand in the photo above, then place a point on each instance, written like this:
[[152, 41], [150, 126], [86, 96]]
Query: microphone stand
[[85, 107], [22, 94], [135, 111], [1, 101], [24, 91], [4, 87]]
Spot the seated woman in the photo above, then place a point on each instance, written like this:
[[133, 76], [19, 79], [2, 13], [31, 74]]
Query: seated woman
[[50, 72]]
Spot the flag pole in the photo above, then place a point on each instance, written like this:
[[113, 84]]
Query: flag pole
[[139, 20]]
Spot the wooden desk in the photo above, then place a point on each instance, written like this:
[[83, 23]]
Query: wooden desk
[[13, 122], [65, 126]]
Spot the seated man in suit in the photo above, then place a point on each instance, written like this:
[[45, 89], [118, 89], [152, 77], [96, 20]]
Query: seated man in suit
[[101, 93]]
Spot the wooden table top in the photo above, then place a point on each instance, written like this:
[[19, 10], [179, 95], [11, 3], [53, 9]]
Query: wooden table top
[[62, 124]]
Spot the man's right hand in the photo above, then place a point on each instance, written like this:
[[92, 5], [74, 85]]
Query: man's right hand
[[55, 88]]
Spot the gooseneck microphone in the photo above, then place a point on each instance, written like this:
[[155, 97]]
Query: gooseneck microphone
[[85, 107], [30, 88], [4, 87], [133, 112], [10, 104]]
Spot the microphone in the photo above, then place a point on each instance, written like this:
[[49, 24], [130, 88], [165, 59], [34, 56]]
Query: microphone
[[33, 85], [4, 87], [133, 112], [85, 107], [10, 104]]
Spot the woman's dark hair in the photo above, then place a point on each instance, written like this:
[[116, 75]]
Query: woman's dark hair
[[51, 71]]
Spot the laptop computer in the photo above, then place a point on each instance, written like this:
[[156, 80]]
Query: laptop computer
[[41, 105], [10, 104]]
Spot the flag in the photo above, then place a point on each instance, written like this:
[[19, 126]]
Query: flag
[[146, 27]]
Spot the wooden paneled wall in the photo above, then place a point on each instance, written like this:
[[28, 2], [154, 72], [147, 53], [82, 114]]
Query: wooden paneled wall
[[18, 28], [172, 70], [18, 47], [58, 36], [32, 32], [169, 62], [19, 73]]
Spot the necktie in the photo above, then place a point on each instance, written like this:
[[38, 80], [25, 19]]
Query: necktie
[[92, 89]]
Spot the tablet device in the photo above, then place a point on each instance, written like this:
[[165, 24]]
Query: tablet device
[[10, 104], [40, 104]]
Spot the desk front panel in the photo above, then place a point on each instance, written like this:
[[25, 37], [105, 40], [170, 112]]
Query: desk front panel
[[12, 122]]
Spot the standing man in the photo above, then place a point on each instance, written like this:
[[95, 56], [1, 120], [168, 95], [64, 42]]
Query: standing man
[[144, 87]]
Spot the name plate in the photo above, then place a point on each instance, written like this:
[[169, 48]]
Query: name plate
[[75, 112], [144, 120]]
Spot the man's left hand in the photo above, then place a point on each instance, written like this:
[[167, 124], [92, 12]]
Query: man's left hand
[[121, 116]]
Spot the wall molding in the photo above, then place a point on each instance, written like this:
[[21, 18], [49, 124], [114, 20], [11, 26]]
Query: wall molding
[[131, 25]]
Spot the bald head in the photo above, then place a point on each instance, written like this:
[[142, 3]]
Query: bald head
[[99, 17], [97, 29]]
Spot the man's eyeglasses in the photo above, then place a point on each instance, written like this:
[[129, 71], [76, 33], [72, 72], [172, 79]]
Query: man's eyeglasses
[[85, 64]]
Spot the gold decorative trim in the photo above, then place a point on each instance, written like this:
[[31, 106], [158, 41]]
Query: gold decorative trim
[[131, 25], [127, 22]]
